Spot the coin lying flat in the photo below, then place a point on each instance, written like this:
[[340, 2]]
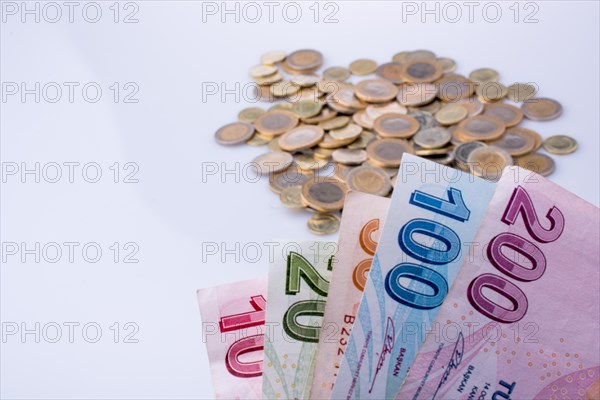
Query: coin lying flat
[[421, 70], [348, 132], [346, 98], [234, 133], [536, 162], [519, 92], [473, 106], [304, 60], [308, 162], [448, 65], [363, 140], [509, 114], [330, 143], [305, 80], [388, 152], [455, 87], [362, 118], [541, 109], [369, 179], [307, 108], [537, 139], [391, 72], [425, 119], [363, 66], [491, 92], [301, 138], [560, 144], [324, 194], [272, 57], [484, 75], [377, 110], [515, 143], [275, 122], [339, 74], [451, 114], [291, 176], [272, 162], [481, 127], [399, 126], [401, 57], [419, 55], [375, 91], [284, 89], [326, 114], [257, 140], [291, 197], [250, 114], [432, 138], [416, 94], [323, 224], [260, 71], [349, 157], [488, 162], [269, 80], [335, 123], [462, 151]]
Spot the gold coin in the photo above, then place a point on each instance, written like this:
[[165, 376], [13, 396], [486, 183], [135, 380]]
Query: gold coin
[[536, 162], [301, 138], [391, 72], [474, 107], [491, 92], [260, 71], [541, 109], [281, 106], [272, 57], [323, 224], [269, 80], [375, 91], [322, 153], [341, 171], [349, 157], [273, 144], [292, 176], [305, 80], [375, 111], [335, 123], [488, 162], [368, 179], [304, 60], [401, 57], [257, 140], [416, 94], [363, 66], [307, 108], [462, 151], [419, 55], [308, 162], [421, 70], [350, 131], [560, 144], [514, 143], [284, 89], [481, 127], [234, 133], [537, 139], [275, 122], [456, 87], [388, 152], [272, 162], [326, 114], [484, 75], [399, 126], [448, 65], [421, 151], [510, 115], [324, 194], [519, 92], [361, 118], [338, 74], [451, 114], [456, 137], [291, 197], [431, 108], [346, 98], [340, 108], [330, 143], [332, 86], [250, 114], [363, 140], [432, 138]]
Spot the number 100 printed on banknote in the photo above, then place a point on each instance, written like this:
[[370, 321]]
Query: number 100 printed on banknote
[[433, 216]]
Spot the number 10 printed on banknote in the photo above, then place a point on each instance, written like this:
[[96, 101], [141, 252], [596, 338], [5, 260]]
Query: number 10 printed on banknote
[[433, 217]]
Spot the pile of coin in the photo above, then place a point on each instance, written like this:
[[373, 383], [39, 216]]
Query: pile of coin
[[326, 135]]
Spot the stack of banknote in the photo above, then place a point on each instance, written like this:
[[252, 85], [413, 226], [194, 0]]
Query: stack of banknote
[[455, 288]]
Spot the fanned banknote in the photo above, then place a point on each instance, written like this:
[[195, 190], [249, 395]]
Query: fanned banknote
[[522, 319], [434, 214], [299, 278], [233, 318], [359, 231]]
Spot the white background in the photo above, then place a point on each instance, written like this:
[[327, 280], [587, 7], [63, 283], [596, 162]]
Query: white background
[[170, 54]]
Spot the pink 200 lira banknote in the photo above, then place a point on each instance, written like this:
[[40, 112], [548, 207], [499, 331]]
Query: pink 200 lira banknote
[[233, 318], [522, 318]]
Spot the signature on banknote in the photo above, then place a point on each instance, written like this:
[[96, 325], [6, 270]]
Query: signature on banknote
[[388, 345], [455, 359]]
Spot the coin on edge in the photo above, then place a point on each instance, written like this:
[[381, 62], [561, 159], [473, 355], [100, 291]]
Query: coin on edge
[[323, 224], [541, 109], [324, 194], [272, 162], [367, 179], [560, 144], [536, 162], [234, 133]]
